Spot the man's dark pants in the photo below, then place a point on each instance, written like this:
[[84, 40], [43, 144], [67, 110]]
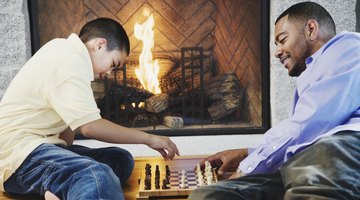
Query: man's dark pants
[[329, 169]]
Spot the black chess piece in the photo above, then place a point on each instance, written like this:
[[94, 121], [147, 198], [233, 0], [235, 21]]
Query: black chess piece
[[147, 181], [164, 184]]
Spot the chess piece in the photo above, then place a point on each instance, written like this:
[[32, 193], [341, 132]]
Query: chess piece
[[167, 174], [183, 179], [157, 177], [164, 185], [147, 181]]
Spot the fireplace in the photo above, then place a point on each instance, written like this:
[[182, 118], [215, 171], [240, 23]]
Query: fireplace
[[213, 59]]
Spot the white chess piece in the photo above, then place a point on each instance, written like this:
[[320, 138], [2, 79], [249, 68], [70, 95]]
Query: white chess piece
[[183, 179]]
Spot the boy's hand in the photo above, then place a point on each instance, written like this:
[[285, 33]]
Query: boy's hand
[[164, 145], [227, 160]]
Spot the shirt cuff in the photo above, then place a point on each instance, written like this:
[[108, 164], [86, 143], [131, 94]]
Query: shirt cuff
[[250, 150], [76, 124]]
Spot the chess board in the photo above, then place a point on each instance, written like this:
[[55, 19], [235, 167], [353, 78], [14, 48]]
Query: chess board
[[173, 187]]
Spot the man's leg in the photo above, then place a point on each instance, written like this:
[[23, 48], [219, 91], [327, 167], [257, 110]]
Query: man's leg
[[119, 160], [65, 174], [329, 169], [261, 186]]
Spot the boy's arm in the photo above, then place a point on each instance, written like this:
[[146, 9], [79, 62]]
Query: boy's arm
[[67, 136], [107, 131]]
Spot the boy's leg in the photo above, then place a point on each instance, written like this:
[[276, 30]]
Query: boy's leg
[[120, 160], [329, 169], [64, 173], [261, 186]]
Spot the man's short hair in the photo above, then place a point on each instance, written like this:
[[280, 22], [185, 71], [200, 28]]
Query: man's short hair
[[302, 12], [107, 28]]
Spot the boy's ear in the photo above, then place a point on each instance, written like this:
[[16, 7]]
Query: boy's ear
[[100, 43]]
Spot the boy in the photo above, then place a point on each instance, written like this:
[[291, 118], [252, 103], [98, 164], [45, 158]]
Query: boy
[[50, 99]]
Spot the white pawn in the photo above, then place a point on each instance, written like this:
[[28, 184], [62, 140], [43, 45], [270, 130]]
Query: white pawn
[[201, 183], [207, 164], [182, 185], [198, 168], [183, 179]]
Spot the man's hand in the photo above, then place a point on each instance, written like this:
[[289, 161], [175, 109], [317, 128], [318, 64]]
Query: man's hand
[[163, 145], [227, 160]]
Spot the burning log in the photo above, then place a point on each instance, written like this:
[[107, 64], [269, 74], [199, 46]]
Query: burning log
[[166, 65], [227, 105], [171, 84], [225, 95], [98, 88], [143, 119], [130, 94], [157, 103]]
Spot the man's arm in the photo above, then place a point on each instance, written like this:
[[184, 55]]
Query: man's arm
[[328, 96], [107, 131]]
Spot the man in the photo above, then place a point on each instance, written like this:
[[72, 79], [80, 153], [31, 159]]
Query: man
[[315, 154], [50, 99]]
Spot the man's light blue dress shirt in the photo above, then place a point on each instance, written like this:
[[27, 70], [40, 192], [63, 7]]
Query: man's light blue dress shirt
[[327, 100]]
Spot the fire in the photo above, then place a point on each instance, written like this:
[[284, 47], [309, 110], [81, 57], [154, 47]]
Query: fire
[[148, 69]]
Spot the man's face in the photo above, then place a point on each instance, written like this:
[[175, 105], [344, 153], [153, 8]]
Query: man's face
[[292, 45]]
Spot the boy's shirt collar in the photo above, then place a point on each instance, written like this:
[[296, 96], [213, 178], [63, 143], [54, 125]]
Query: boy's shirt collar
[[81, 48]]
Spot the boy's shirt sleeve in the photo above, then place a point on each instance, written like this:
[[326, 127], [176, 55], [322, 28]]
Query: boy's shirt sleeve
[[73, 100]]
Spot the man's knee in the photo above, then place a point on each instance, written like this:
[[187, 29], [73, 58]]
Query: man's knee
[[210, 193], [220, 191]]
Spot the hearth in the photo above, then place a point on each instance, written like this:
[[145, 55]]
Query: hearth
[[211, 57]]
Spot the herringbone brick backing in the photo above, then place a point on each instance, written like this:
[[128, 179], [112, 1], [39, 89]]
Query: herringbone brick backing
[[237, 49], [228, 29]]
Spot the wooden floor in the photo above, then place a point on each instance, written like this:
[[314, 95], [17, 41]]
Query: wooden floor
[[131, 188]]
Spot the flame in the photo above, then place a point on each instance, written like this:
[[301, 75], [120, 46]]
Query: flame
[[148, 69]]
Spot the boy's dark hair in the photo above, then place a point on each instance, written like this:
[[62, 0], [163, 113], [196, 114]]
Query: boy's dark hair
[[107, 28], [304, 11]]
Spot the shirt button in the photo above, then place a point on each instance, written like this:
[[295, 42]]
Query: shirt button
[[249, 169], [274, 147]]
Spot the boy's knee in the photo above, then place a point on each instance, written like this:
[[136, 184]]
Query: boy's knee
[[128, 159], [123, 164], [104, 173]]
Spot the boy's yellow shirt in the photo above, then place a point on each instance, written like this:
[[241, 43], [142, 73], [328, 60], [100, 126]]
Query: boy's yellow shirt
[[50, 93]]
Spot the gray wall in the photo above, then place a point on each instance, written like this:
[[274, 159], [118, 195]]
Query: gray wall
[[15, 40], [15, 50]]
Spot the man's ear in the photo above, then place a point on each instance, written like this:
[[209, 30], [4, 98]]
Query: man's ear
[[312, 29], [100, 43]]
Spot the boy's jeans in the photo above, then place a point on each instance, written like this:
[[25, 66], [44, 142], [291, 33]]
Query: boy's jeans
[[73, 172], [329, 169]]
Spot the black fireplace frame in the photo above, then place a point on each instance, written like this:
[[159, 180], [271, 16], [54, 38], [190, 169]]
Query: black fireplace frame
[[265, 77]]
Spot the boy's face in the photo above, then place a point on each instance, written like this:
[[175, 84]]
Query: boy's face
[[104, 61]]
